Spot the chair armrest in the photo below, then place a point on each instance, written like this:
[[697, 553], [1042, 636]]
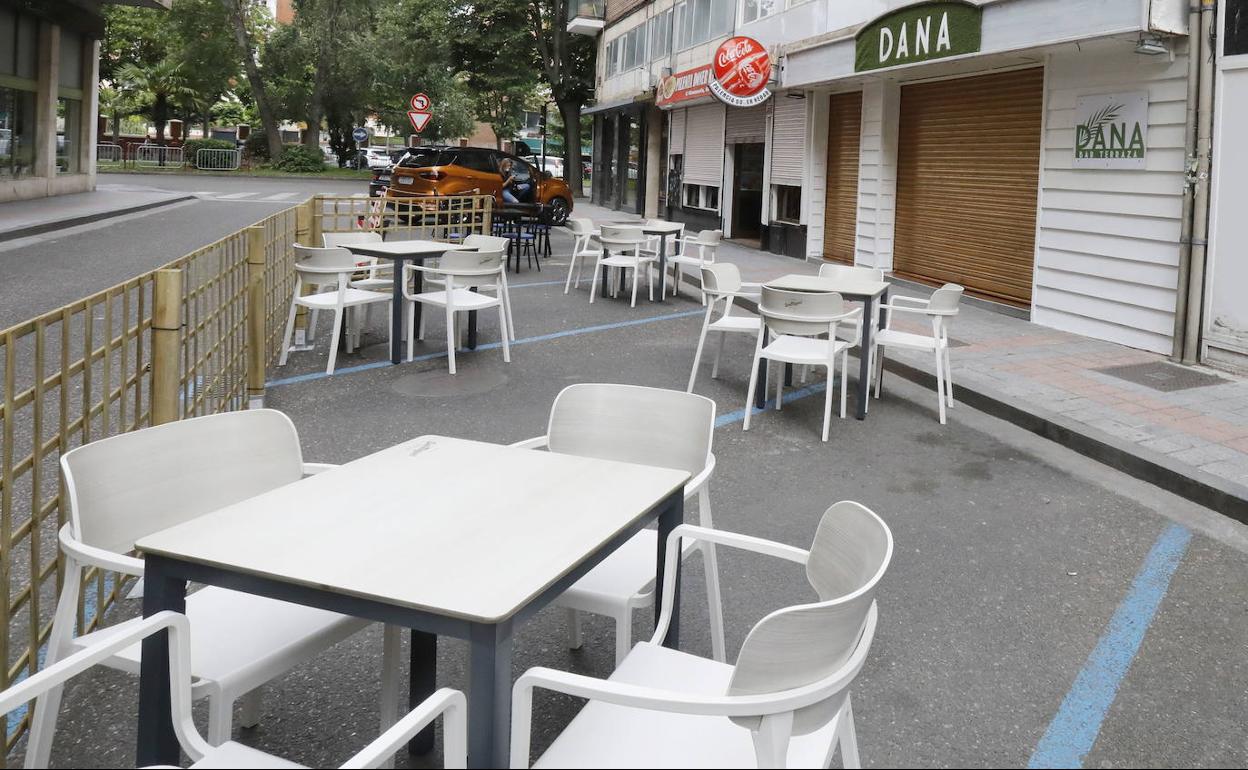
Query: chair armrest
[[697, 482], [918, 310], [917, 301], [531, 443], [311, 469], [448, 703], [99, 557]]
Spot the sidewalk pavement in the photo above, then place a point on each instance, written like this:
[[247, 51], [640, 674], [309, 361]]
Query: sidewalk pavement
[[1182, 428], [20, 219]]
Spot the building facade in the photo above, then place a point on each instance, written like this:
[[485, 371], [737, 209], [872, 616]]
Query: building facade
[[49, 73], [1038, 152]]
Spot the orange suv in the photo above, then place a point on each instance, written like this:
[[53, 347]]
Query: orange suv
[[475, 171]]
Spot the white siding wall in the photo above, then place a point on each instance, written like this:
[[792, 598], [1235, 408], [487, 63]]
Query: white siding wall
[[877, 174], [1107, 241], [818, 172]]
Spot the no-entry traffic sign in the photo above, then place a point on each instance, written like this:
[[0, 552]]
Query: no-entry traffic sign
[[421, 112]]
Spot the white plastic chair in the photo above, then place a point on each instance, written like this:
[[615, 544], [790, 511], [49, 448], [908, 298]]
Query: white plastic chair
[[705, 244], [722, 282], [940, 310], [582, 230], [122, 488], [450, 704], [455, 271], [622, 248], [321, 267], [850, 330], [786, 701], [795, 322], [649, 426]]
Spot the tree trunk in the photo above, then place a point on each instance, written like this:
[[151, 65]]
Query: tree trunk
[[160, 115], [116, 126], [570, 111], [234, 10]]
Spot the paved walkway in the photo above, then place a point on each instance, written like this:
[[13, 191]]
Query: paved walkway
[[1199, 431], [19, 219]]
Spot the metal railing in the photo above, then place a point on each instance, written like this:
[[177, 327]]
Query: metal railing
[[217, 159], [157, 155], [109, 154], [443, 218]]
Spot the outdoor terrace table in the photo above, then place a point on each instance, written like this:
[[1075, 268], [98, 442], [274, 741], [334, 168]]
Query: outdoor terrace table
[[857, 289], [662, 230], [399, 252], [411, 537]]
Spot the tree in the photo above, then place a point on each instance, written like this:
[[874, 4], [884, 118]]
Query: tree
[[241, 17], [498, 62], [201, 41], [155, 89], [567, 61]]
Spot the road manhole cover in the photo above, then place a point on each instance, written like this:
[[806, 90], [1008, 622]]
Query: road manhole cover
[[442, 384], [1159, 375]]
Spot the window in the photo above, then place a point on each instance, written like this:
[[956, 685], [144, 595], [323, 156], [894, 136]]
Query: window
[[68, 130], [788, 203], [697, 21], [753, 10], [679, 36], [701, 196], [17, 132], [477, 161], [1236, 33], [723, 13], [660, 33]]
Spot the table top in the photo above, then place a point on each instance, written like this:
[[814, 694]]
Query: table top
[[405, 249], [652, 228], [855, 287], [459, 528]]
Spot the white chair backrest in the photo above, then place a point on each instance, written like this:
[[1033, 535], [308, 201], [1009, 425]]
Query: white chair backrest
[[329, 240], [801, 645], [833, 270], [130, 485], [721, 278], [799, 313], [580, 225], [710, 237], [335, 258], [486, 242], [629, 236], [472, 262], [946, 298], [630, 423]]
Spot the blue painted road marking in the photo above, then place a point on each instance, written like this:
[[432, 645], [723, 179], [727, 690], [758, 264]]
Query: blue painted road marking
[[1077, 724]]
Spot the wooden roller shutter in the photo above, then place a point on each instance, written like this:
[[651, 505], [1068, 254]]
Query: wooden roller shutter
[[745, 125], [968, 170], [704, 145], [840, 212], [788, 141]]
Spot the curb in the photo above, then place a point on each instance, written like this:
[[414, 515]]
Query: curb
[[1222, 495], [44, 227]]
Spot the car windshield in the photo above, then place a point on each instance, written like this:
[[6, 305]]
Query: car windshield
[[425, 157]]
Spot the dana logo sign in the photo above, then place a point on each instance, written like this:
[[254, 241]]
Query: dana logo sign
[[1111, 130], [742, 68], [918, 33]]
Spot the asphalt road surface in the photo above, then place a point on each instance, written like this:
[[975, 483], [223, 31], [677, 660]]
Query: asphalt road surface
[[43, 272]]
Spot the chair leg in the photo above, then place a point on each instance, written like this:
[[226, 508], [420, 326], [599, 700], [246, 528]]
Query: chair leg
[[849, 737], [290, 332], [940, 385], [879, 368], [333, 343], [452, 340], [312, 319], [411, 330], [502, 322], [48, 705], [827, 401], [949, 377], [636, 274], [719, 351], [845, 381], [711, 565], [251, 707], [567, 286], [780, 392], [593, 286], [575, 638], [623, 635], [749, 395], [650, 280], [697, 355], [220, 719], [391, 651]]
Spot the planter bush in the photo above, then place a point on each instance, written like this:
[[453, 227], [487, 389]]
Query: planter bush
[[299, 159], [192, 147]]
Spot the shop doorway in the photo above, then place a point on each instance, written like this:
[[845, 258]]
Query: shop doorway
[[747, 193]]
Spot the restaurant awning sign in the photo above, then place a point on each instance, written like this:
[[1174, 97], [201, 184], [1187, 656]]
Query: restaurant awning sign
[[1111, 130], [684, 86], [918, 33]]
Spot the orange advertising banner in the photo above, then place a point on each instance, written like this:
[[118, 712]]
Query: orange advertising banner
[[684, 86]]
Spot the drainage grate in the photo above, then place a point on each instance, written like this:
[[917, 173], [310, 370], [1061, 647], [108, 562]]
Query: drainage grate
[[1159, 375]]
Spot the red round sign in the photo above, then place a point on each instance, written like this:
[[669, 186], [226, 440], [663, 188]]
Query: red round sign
[[742, 68]]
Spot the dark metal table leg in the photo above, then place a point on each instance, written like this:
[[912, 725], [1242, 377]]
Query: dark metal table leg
[[673, 515], [760, 393], [788, 375], [157, 742], [864, 357], [663, 267], [396, 312], [422, 682], [489, 694], [472, 326], [606, 273]]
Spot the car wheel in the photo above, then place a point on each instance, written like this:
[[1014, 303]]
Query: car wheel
[[557, 211]]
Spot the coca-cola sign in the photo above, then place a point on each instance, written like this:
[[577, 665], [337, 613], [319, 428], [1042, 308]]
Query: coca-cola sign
[[742, 68]]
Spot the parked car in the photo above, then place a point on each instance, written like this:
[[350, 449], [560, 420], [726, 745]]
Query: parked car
[[381, 174], [553, 165], [438, 170], [373, 157]]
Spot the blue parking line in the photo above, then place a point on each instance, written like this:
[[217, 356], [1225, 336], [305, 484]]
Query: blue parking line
[[739, 415], [1077, 724], [490, 346]]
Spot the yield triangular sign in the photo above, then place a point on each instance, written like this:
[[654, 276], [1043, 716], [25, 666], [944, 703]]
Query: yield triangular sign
[[419, 120]]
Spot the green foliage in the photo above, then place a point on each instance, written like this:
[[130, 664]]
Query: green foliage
[[300, 160], [256, 146], [192, 146]]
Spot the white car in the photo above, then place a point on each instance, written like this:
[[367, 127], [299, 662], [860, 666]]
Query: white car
[[553, 165], [376, 157]]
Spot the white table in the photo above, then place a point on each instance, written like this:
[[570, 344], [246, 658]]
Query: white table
[[865, 291], [400, 252], [662, 229], [444, 536]]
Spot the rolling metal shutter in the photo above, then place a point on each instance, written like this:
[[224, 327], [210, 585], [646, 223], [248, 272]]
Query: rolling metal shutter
[[704, 145], [967, 179], [745, 125], [788, 141], [840, 212], [676, 133]]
